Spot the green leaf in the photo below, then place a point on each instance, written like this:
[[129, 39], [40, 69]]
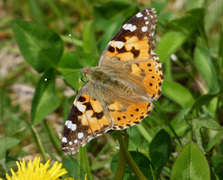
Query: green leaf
[[190, 164], [217, 137], [170, 42], [45, 99], [205, 67], [198, 123], [41, 48], [177, 93], [203, 100], [191, 20], [109, 12], [6, 143], [217, 163], [89, 43], [71, 165], [160, 150]]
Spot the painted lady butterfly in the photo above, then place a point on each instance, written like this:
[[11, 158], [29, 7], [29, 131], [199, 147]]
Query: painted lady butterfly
[[120, 89]]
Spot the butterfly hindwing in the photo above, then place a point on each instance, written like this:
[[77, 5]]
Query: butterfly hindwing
[[85, 121]]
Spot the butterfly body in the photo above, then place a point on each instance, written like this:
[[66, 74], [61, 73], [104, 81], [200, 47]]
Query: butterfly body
[[120, 89]]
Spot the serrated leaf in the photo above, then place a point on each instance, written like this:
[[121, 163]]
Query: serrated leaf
[[198, 123], [169, 44], [41, 48], [45, 99], [205, 67], [177, 93], [190, 164]]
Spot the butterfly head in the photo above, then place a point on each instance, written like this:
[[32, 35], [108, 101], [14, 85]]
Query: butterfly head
[[85, 71]]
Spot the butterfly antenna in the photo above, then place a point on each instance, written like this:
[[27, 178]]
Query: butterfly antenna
[[77, 50], [63, 75]]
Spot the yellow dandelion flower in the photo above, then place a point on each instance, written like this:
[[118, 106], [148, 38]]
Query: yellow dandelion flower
[[37, 171]]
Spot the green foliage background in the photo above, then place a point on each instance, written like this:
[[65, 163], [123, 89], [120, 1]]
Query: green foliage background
[[182, 139]]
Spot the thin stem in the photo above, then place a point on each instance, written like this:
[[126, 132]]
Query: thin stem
[[38, 141], [120, 171], [129, 159], [53, 138]]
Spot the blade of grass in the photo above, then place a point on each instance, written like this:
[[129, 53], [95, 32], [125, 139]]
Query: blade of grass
[[86, 164]]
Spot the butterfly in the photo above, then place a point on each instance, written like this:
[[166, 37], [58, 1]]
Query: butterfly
[[120, 89]]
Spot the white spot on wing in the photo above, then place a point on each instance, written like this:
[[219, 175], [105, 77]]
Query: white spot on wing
[[73, 127], [118, 44], [147, 22], [66, 123], [139, 15], [129, 27], [75, 141], [81, 107], [70, 143], [144, 28], [69, 124], [145, 18], [64, 140], [80, 135]]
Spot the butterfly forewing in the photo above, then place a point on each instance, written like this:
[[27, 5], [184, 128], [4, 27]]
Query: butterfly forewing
[[134, 40]]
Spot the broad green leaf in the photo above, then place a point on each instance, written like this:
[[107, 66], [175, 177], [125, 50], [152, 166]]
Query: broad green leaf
[[45, 99], [169, 44], [109, 12], [190, 164], [108, 35], [41, 48], [72, 167], [177, 93], [160, 150], [191, 20], [205, 67], [89, 45], [6, 143]]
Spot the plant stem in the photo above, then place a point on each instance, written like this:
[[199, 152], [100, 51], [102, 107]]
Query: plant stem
[[38, 141], [128, 157], [53, 137], [120, 171]]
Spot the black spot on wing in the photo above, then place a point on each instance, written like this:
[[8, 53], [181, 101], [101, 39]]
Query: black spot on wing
[[98, 115], [135, 52]]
